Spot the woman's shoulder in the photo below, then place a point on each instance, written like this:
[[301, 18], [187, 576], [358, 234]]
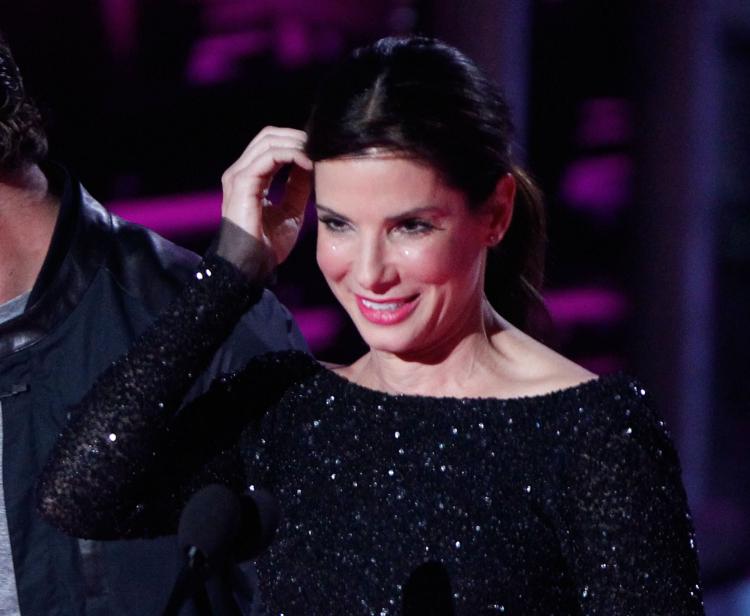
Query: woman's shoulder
[[529, 368], [608, 413], [546, 378]]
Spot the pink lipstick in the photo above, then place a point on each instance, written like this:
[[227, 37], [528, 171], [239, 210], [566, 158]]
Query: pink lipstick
[[386, 312]]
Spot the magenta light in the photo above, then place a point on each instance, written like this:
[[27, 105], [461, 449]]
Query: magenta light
[[175, 215], [581, 306], [120, 20], [600, 185], [602, 364], [186, 214], [215, 59], [319, 325], [605, 122]]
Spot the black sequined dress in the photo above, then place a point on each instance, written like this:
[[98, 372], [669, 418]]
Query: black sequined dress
[[564, 503]]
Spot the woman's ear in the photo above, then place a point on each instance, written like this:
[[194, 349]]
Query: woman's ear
[[499, 208]]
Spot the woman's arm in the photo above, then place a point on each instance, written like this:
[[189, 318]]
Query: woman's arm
[[625, 527], [113, 471], [109, 474]]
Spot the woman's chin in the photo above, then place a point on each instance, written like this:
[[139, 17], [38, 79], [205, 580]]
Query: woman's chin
[[387, 344], [386, 339]]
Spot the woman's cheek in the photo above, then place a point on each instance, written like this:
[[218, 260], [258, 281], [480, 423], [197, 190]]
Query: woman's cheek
[[429, 262], [333, 257]]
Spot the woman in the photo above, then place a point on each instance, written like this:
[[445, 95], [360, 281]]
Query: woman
[[456, 444]]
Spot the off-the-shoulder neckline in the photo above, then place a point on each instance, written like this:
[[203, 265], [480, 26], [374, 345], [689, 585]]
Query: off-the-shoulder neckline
[[597, 383]]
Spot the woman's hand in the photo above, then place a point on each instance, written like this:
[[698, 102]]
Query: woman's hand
[[246, 182]]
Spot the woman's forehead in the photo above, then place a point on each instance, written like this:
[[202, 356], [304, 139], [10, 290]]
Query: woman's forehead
[[385, 171], [385, 183]]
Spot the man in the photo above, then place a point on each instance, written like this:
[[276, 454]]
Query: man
[[77, 285]]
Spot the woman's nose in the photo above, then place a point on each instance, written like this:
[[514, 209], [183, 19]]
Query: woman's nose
[[374, 270]]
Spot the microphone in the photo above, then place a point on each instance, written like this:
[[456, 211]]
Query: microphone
[[208, 525], [217, 528], [428, 591], [259, 519]]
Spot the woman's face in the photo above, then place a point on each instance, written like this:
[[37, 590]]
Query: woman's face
[[401, 251]]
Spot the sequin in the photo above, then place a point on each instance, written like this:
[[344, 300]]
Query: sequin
[[566, 508]]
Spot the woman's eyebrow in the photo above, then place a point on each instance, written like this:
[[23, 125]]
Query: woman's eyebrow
[[415, 212], [328, 210], [410, 213]]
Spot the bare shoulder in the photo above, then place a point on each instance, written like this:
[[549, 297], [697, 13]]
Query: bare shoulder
[[534, 368]]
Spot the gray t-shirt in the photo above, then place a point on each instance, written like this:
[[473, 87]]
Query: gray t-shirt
[[8, 594], [14, 307]]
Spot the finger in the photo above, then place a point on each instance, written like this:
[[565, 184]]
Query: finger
[[267, 163], [297, 192], [255, 153], [243, 191], [269, 144], [289, 137], [280, 131], [277, 133], [255, 177]]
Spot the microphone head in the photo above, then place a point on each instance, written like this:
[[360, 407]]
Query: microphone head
[[259, 521], [209, 523]]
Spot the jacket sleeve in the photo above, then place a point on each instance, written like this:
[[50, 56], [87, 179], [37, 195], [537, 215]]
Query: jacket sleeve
[[624, 524], [266, 327], [128, 460]]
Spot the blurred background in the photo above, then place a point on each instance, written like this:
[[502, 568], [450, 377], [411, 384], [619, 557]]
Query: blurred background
[[632, 115]]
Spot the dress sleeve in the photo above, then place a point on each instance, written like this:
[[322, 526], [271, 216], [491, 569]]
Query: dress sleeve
[[625, 528], [127, 460]]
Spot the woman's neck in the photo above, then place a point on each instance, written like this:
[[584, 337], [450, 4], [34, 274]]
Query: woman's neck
[[458, 368]]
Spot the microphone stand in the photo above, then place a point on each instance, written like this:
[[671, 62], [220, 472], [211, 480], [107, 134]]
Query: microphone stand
[[191, 582], [220, 591], [210, 522]]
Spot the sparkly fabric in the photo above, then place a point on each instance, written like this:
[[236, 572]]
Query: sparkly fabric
[[565, 503]]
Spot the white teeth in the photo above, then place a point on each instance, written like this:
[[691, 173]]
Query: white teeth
[[380, 306]]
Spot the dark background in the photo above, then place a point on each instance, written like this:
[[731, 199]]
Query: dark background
[[632, 115]]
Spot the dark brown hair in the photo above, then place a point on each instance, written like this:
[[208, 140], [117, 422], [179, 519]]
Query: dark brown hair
[[22, 137], [425, 98]]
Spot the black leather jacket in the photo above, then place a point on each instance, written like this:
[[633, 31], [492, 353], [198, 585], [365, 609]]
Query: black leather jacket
[[102, 283]]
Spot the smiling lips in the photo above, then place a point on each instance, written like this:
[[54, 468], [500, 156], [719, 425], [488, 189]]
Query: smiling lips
[[386, 312]]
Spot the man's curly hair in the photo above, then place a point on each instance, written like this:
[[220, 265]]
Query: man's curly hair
[[22, 137]]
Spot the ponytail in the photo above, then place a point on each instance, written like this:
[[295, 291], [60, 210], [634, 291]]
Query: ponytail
[[515, 267], [424, 98]]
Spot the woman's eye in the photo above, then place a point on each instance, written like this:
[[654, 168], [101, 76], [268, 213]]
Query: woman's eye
[[333, 224], [415, 226]]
